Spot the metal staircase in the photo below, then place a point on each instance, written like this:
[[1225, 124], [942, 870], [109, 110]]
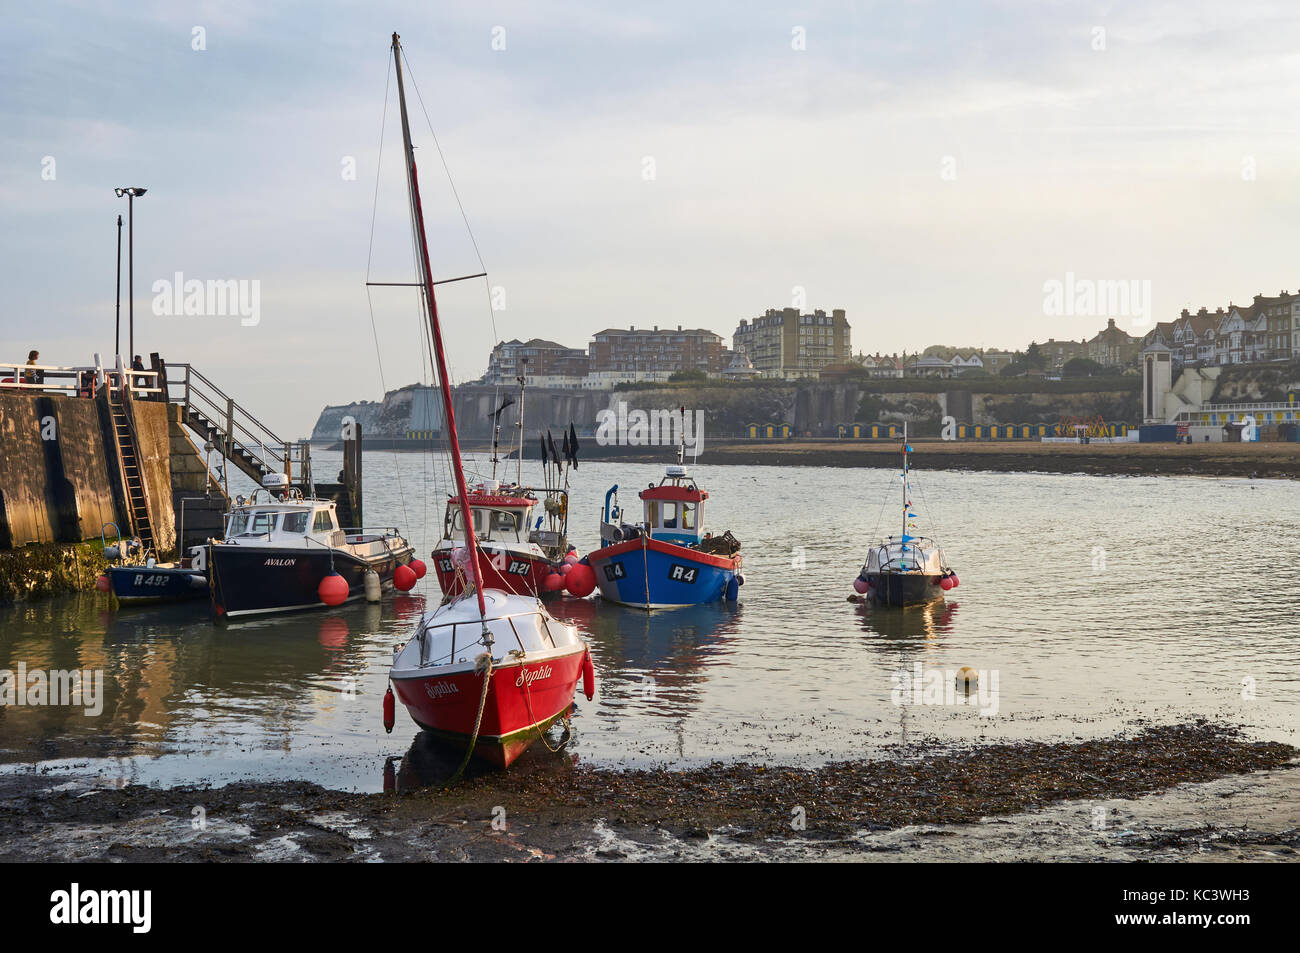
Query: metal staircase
[[242, 439]]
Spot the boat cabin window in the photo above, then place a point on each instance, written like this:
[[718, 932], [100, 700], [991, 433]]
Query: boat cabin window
[[458, 521], [652, 512], [505, 521], [324, 522], [256, 523], [294, 524], [261, 524], [688, 516], [670, 515]]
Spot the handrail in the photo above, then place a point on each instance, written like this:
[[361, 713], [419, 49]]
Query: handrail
[[242, 431]]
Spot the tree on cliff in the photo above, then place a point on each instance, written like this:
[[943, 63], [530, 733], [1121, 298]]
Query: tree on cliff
[[693, 376], [1082, 367]]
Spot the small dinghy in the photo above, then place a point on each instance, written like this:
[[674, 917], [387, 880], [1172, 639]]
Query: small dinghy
[[908, 569]]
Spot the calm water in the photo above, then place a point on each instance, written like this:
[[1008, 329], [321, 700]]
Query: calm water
[[1095, 601]]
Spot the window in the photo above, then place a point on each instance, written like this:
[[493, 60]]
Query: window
[[670, 515], [323, 523], [688, 516], [505, 522], [261, 524], [238, 522], [652, 512], [294, 523]]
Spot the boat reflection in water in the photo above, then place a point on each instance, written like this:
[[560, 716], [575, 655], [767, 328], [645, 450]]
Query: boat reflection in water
[[926, 621], [652, 660]]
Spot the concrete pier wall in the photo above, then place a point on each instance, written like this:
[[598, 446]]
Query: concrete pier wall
[[60, 480], [55, 482]]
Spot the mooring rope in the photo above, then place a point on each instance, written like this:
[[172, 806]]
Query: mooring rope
[[484, 665]]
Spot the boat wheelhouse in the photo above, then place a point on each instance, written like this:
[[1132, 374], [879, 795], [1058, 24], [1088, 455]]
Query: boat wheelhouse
[[668, 559], [279, 545], [513, 554]]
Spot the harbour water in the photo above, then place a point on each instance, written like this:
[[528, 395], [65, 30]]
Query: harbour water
[[1088, 604]]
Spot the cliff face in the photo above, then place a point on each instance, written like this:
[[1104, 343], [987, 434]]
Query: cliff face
[[411, 408], [817, 409], [1254, 382]]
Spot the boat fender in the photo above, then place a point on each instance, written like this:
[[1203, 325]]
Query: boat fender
[[588, 677], [390, 707], [333, 590], [102, 583], [404, 578], [733, 589], [740, 578], [373, 591]]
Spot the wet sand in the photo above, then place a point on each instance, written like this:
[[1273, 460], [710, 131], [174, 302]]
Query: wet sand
[[1173, 792]]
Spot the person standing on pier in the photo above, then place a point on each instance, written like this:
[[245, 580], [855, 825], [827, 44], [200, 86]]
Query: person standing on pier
[[33, 376]]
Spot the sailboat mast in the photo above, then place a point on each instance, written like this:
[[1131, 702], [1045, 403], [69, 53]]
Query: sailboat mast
[[426, 278], [904, 482], [519, 462]]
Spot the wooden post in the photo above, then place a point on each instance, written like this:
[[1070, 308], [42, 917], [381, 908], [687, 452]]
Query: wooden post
[[352, 472], [230, 428]]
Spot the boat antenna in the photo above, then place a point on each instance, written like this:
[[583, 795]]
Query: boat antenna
[[440, 355], [904, 536], [681, 449], [496, 431]]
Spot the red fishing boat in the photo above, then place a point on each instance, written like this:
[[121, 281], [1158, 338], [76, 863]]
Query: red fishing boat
[[489, 669], [511, 556]]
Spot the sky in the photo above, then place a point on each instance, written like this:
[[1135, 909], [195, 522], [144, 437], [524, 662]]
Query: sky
[[928, 167]]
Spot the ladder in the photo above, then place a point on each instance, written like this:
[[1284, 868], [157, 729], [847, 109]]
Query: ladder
[[137, 504]]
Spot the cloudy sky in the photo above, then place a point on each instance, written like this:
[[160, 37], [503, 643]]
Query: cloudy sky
[[925, 166]]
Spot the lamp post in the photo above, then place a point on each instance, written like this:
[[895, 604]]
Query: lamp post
[[117, 324], [131, 193]]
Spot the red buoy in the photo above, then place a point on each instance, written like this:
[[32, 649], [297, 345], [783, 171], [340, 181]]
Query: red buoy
[[418, 567], [102, 583], [955, 581], [860, 585], [580, 580], [946, 584], [404, 578], [390, 706], [588, 677], [333, 590], [553, 582]]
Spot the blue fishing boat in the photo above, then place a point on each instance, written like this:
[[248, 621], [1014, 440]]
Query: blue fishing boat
[[668, 559], [160, 582]]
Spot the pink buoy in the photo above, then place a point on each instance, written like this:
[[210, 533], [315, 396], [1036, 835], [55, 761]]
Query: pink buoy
[[946, 584], [565, 568], [571, 558], [860, 585]]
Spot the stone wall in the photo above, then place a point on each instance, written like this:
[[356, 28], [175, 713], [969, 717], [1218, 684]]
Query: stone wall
[[57, 489]]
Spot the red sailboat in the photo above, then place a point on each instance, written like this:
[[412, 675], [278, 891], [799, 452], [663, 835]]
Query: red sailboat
[[489, 669]]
